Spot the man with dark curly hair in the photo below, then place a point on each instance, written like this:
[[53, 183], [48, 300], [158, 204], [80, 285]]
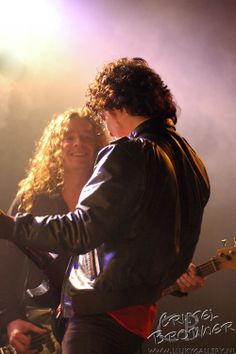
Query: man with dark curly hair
[[141, 211], [132, 85]]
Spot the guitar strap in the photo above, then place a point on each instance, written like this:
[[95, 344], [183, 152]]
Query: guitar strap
[[41, 260], [25, 278]]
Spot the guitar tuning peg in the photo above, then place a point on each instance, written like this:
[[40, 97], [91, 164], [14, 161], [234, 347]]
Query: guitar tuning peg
[[224, 242]]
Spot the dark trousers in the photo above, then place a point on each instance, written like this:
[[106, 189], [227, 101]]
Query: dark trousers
[[98, 334]]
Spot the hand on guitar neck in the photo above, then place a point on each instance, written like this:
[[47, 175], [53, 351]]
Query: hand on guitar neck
[[225, 258], [19, 337], [190, 281]]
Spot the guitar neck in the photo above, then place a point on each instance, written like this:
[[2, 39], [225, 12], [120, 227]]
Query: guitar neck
[[203, 270]]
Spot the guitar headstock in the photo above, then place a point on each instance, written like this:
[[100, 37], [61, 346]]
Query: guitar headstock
[[226, 256]]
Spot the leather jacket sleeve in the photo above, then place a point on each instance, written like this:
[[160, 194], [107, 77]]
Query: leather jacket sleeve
[[106, 203]]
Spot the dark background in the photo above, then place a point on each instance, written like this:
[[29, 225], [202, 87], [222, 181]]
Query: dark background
[[46, 65]]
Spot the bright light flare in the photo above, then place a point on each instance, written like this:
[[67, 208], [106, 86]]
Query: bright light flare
[[27, 27]]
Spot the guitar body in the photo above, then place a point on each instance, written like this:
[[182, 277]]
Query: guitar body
[[47, 343], [44, 317], [45, 299], [8, 349]]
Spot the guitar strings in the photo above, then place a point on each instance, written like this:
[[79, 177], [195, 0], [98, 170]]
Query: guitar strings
[[208, 267], [37, 338]]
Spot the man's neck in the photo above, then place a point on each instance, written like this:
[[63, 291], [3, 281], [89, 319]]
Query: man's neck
[[131, 122], [137, 121]]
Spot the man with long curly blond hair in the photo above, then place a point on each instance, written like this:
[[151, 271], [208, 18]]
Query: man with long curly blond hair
[[141, 211], [62, 164]]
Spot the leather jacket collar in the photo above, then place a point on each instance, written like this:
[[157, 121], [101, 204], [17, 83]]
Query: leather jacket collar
[[151, 124]]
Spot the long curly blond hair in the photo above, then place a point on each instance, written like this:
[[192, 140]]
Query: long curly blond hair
[[45, 173]]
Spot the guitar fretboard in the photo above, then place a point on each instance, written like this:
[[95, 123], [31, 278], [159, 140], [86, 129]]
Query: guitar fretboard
[[202, 270]]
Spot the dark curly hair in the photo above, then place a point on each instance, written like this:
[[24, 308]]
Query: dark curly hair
[[131, 84]]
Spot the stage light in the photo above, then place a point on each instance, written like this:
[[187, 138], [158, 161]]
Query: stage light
[[27, 27]]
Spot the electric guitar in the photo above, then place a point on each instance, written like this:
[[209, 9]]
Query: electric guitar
[[225, 258], [46, 318], [45, 343], [42, 342], [47, 292], [8, 349]]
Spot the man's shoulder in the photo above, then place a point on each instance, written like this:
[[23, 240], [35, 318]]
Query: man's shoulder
[[126, 147]]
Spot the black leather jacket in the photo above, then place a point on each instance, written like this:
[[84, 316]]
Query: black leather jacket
[[142, 208]]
